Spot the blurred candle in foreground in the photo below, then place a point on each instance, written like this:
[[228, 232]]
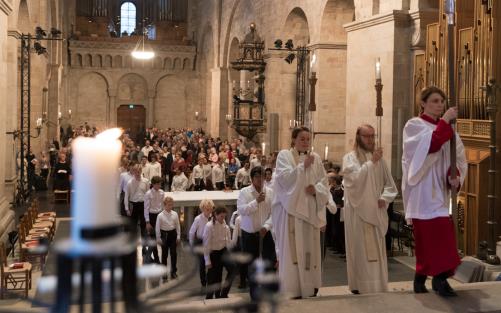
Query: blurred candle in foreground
[[263, 148], [326, 152], [95, 162]]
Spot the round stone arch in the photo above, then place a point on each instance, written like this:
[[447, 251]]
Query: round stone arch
[[92, 100], [296, 27], [172, 108]]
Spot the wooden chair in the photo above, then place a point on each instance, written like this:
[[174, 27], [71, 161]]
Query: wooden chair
[[399, 230], [34, 226], [16, 276], [35, 207], [27, 243], [62, 195]]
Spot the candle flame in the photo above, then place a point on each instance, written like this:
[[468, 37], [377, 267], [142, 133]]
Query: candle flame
[[110, 134]]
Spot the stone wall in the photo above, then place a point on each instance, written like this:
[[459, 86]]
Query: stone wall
[[6, 215], [347, 37], [104, 76]]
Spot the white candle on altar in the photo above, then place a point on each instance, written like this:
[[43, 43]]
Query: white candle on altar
[[95, 164], [263, 148], [39, 122], [326, 152]]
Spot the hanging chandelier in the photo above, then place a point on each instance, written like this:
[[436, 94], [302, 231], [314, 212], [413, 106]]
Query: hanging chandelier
[[140, 52]]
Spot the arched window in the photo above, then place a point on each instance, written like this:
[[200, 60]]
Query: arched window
[[127, 18]]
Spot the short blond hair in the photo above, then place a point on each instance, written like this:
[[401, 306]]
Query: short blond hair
[[206, 203], [168, 199]]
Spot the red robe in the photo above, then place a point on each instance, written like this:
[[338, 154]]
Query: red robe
[[435, 240]]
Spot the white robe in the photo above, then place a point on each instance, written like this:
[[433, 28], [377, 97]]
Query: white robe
[[365, 223], [424, 186], [297, 218]]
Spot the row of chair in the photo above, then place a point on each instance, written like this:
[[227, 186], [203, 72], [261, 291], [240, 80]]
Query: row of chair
[[34, 228]]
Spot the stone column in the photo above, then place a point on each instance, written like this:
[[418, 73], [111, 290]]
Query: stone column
[[394, 53], [151, 117], [213, 118], [111, 110], [53, 105], [280, 93], [6, 215], [331, 99], [11, 113]]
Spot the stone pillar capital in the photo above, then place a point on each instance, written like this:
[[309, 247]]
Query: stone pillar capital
[[152, 93]]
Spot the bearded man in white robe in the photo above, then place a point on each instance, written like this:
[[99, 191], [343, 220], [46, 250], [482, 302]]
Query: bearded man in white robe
[[301, 194], [368, 190]]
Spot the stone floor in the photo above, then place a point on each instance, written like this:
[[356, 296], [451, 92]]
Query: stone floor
[[333, 297]]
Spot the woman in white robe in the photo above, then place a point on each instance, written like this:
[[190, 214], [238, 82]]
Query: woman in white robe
[[298, 214]]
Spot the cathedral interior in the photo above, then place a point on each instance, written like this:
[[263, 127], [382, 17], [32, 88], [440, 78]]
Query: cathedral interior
[[254, 69]]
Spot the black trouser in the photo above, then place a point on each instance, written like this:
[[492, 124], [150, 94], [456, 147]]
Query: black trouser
[[231, 181], [220, 185], [338, 244], [44, 172], [250, 244], [199, 184], [201, 262], [242, 268], [329, 229], [153, 249], [169, 239], [215, 274], [240, 185], [137, 215], [122, 204]]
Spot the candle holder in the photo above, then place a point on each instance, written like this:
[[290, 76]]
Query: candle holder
[[112, 252], [199, 117], [490, 91], [379, 103]]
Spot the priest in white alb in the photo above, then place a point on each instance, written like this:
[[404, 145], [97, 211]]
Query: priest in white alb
[[301, 194], [368, 190]]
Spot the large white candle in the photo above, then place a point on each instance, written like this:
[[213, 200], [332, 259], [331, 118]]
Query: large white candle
[[95, 164], [326, 152], [263, 148]]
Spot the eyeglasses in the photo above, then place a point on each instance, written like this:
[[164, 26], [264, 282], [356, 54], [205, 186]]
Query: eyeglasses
[[368, 136]]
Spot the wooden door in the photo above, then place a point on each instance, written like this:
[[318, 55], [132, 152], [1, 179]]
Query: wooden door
[[132, 118]]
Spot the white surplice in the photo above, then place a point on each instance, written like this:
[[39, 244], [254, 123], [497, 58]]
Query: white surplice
[[365, 223], [297, 219], [424, 186]]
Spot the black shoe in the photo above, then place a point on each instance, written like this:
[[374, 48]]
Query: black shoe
[[315, 292], [165, 279], [355, 292], [419, 284], [419, 288], [442, 287], [173, 275]]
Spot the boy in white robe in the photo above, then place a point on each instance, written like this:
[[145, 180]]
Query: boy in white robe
[[368, 190]]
